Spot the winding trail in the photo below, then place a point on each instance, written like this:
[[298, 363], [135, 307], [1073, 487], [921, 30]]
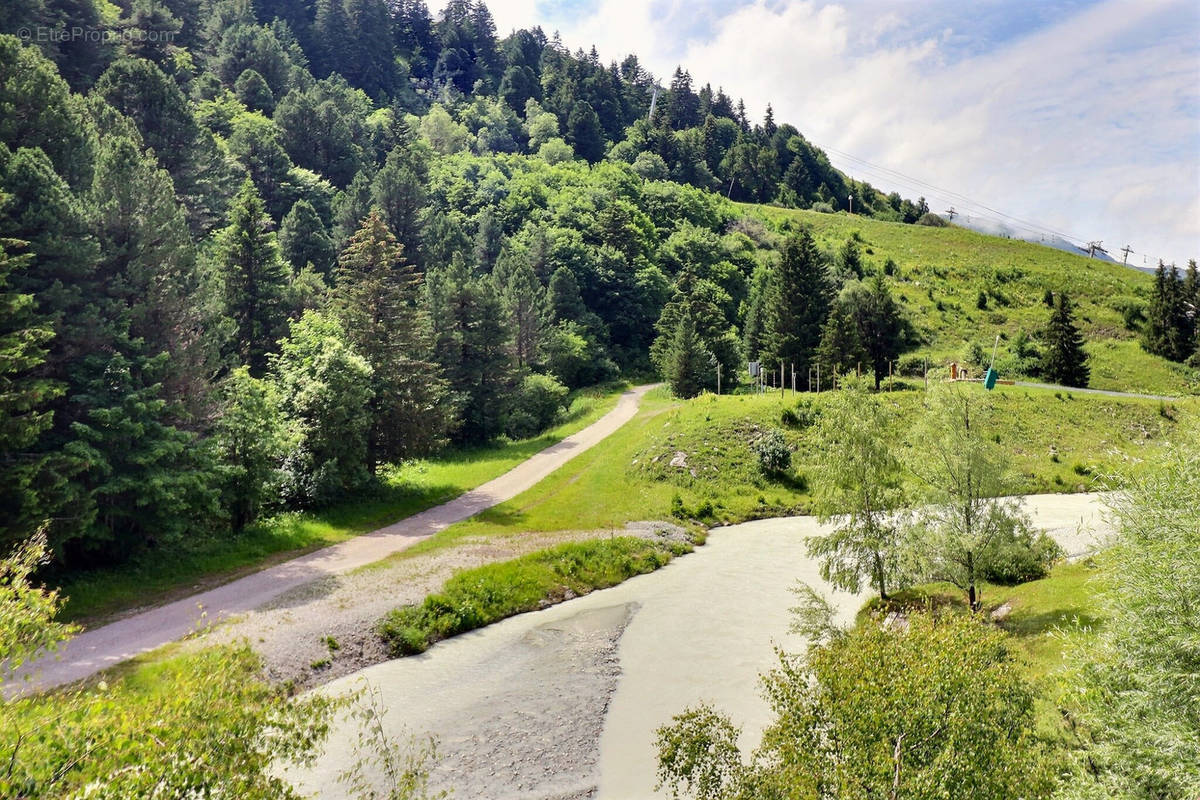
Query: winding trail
[[120, 641]]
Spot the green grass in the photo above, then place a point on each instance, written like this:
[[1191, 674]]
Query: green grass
[[160, 575], [477, 597], [1044, 615], [943, 270], [1060, 442]]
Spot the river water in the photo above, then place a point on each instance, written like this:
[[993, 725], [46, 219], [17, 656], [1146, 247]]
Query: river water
[[563, 703]]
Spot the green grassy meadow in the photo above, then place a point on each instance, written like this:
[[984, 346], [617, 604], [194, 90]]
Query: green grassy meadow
[[941, 272], [405, 489], [1060, 442]]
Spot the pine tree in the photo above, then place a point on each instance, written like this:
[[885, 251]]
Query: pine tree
[[472, 346], [525, 303], [841, 349], [304, 240], [377, 300], [584, 132], [24, 415], [399, 192], [798, 304], [880, 326], [1065, 361], [687, 364], [697, 301], [254, 281], [1167, 323]]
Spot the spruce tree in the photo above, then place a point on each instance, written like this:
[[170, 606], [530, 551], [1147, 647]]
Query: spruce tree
[[304, 240], [254, 281], [688, 364], [24, 415], [880, 325], [399, 192], [1065, 361], [525, 303], [472, 346], [1168, 327], [841, 349], [698, 301], [377, 299], [584, 132], [798, 304]]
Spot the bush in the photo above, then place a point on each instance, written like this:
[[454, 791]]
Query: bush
[[1020, 554], [774, 456], [535, 407], [932, 220], [803, 415]]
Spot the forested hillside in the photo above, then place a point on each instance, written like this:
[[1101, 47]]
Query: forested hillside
[[253, 251]]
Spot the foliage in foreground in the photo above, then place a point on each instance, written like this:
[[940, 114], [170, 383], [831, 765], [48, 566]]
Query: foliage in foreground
[[933, 708], [201, 725], [483, 595], [1139, 710]]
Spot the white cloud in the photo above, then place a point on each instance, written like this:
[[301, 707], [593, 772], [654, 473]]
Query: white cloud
[[1090, 125]]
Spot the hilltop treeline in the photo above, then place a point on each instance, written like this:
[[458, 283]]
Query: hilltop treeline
[[253, 252]]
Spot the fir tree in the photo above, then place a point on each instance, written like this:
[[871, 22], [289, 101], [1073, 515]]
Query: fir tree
[[24, 415], [698, 301], [841, 349], [525, 303], [377, 299], [1065, 361], [687, 364], [798, 304], [254, 281], [304, 240], [1167, 324], [584, 132], [472, 346]]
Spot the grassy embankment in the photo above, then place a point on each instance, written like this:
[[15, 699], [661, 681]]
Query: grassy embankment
[[1044, 614], [477, 597], [941, 272], [161, 575], [1059, 442]]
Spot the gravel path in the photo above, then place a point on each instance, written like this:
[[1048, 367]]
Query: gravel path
[[119, 641]]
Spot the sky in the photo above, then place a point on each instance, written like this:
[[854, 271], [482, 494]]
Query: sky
[[1076, 117]]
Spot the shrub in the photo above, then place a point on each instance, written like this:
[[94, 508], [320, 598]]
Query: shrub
[[803, 415], [1018, 555], [536, 406], [774, 456], [932, 220]]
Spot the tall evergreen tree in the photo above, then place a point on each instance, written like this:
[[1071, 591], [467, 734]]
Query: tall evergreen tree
[[798, 305], [304, 240], [1167, 323], [697, 301], [525, 303], [1065, 361], [24, 415], [687, 363], [254, 280], [472, 346], [584, 132], [841, 348], [377, 299], [880, 325], [399, 192]]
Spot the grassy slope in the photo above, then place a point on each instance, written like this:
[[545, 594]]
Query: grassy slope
[[407, 489], [629, 477], [954, 265]]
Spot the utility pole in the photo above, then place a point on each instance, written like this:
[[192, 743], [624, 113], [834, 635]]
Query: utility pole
[[950, 212], [1095, 247], [1126, 250], [653, 103]]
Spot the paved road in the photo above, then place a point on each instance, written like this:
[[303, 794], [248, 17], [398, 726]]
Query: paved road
[[119, 641]]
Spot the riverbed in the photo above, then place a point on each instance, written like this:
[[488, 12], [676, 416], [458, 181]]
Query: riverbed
[[563, 703]]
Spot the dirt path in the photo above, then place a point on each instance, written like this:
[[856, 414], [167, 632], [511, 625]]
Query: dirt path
[[119, 641], [563, 703]]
